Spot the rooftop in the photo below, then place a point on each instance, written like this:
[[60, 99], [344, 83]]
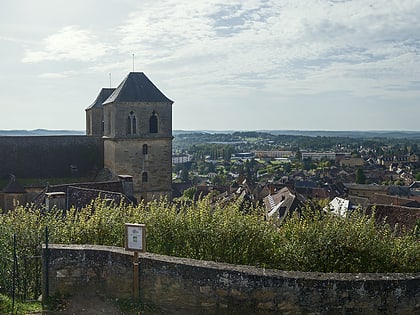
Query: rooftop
[[137, 87]]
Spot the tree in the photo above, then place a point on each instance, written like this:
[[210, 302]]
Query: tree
[[360, 176], [185, 174], [219, 180], [190, 193]]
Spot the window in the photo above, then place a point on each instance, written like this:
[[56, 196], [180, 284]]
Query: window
[[145, 149], [131, 124], [144, 177], [153, 123]]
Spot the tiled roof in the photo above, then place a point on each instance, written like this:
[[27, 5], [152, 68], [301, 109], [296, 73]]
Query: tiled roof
[[102, 97], [136, 87]]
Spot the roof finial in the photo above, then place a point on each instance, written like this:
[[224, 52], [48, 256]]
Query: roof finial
[[110, 85], [133, 62]]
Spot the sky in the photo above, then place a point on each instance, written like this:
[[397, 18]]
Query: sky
[[227, 65]]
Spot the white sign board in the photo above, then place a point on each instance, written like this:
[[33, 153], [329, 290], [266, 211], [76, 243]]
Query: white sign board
[[135, 237]]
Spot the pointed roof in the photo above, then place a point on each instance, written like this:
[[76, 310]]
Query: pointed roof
[[136, 87], [102, 96], [13, 186]]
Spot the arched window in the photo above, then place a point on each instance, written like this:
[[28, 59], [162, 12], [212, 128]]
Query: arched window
[[134, 124], [144, 177], [131, 124], [145, 149], [153, 123]]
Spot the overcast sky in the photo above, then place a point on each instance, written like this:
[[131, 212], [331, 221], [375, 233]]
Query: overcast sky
[[227, 65]]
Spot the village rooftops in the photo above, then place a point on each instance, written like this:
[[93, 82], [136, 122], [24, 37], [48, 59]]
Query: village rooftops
[[136, 87]]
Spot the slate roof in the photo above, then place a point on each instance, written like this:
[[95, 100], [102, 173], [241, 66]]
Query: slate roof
[[136, 87], [13, 187], [102, 97], [81, 194]]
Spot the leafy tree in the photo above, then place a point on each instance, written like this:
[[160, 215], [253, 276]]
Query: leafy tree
[[190, 193], [185, 175], [219, 180], [360, 176], [307, 164]]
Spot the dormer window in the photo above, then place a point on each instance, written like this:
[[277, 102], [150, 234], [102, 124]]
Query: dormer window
[[153, 123], [131, 124]]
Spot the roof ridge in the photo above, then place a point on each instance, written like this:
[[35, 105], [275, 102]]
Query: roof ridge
[[137, 87]]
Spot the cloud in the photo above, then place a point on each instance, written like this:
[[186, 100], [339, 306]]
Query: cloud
[[55, 75], [70, 43]]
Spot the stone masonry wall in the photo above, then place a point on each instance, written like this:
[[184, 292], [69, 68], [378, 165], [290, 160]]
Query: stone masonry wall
[[171, 285], [49, 156]]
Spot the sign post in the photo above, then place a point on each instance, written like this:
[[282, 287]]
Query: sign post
[[135, 240]]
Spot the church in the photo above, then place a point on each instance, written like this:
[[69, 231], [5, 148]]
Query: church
[[128, 140]]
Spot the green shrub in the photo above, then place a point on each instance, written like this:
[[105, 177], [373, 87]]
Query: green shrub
[[315, 241]]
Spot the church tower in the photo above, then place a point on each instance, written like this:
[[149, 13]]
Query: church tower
[[137, 133]]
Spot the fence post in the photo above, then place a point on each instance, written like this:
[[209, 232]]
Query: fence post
[[47, 265], [14, 273]]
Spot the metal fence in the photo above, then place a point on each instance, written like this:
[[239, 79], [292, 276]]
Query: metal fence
[[21, 270]]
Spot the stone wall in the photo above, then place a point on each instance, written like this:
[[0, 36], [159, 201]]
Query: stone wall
[[50, 156], [171, 285]]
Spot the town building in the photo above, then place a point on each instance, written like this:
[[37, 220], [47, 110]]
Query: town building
[[128, 138]]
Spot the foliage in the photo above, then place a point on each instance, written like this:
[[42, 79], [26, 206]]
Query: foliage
[[315, 241], [329, 243], [6, 306], [189, 193], [360, 176]]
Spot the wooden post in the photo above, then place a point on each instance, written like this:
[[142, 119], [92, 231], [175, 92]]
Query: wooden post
[[135, 240], [136, 276]]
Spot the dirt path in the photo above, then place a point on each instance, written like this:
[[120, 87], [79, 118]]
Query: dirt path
[[82, 304]]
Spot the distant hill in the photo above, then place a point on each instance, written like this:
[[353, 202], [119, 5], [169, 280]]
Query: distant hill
[[41, 132], [324, 133], [309, 133]]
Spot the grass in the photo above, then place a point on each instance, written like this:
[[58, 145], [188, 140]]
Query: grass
[[21, 307]]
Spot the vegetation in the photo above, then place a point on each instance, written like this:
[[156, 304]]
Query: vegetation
[[6, 306], [316, 241]]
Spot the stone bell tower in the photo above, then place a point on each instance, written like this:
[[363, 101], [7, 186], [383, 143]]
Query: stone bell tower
[[137, 133]]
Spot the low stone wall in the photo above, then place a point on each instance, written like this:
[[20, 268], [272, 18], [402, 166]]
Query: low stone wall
[[171, 285]]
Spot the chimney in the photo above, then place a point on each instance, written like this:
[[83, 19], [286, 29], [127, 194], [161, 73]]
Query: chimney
[[127, 184], [55, 199]]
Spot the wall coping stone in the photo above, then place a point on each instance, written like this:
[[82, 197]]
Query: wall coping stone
[[251, 270]]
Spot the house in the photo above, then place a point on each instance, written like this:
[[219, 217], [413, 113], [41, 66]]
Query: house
[[340, 206], [282, 203], [367, 191], [80, 195], [12, 195], [352, 162]]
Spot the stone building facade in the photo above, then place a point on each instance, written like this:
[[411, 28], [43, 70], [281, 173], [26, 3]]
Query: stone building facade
[[135, 121]]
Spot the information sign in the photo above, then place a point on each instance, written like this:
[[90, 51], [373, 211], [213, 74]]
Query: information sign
[[135, 237]]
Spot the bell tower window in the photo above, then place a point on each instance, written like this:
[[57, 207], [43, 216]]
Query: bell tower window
[[131, 124], [153, 123]]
